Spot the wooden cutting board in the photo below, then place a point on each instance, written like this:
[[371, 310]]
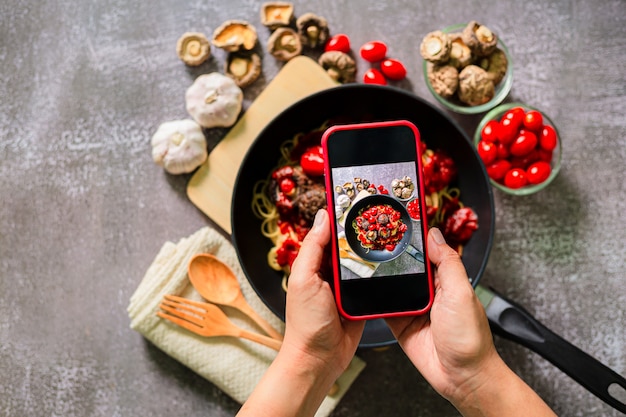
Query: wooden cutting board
[[211, 187]]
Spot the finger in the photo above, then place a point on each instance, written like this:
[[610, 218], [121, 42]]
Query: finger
[[311, 252], [450, 268]]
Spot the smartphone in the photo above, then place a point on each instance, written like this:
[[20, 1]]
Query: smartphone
[[375, 196]]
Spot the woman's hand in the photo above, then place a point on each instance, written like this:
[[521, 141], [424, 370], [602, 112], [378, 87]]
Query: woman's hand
[[314, 329], [318, 344], [453, 347], [454, 343]]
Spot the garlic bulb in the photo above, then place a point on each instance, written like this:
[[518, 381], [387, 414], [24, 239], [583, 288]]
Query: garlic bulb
[[179, 146], [214, 100]]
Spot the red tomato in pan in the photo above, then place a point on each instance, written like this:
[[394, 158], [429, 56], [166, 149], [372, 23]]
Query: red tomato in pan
[[393, 69], [373, 51], [312, 161], [339, 42]]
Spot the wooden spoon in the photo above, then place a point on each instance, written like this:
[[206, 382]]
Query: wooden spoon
[[217, 283]]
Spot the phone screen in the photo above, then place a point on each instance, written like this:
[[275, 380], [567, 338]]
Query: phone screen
[[373, 184]]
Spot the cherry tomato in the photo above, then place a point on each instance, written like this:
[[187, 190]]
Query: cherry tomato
[[487, 151], [516, 115], [393, 69], [547, 138], [373, 51], [490, 131], [523, 143], [544, 155], [507, 130], [503, 151], [533, 120], [515, 178], [312, 161], [538, 172], [339, 42], [373, 76], [525, 160], [287, 185], [498, 169]]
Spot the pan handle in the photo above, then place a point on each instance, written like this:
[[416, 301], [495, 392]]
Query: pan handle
[[513, 322], [415, 253]]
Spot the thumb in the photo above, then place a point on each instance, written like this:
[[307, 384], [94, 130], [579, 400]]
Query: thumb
[[311, 252], [450, 269]]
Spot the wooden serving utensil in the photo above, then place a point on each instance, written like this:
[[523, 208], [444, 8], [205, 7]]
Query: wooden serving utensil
[[217, 283], [207, 320]]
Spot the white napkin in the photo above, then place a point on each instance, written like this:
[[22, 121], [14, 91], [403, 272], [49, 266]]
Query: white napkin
[[234, 365]]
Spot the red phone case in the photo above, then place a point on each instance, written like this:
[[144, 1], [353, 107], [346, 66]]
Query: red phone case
[[333, 222]]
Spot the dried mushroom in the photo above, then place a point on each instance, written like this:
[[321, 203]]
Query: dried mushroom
[[479, 38], [235, 35], [460, 54], [313, 30], [435, 47], [193, 48], [284, 44], [443, 78], [243, 68], [475, 86], [496, 65], [214, 100], [276, 14], [341, 67], [179, 146]]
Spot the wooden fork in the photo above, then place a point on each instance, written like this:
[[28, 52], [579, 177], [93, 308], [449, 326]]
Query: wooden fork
[[207, 320]]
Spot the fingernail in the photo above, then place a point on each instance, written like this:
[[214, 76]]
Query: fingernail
[[437, 236], [319, 219]]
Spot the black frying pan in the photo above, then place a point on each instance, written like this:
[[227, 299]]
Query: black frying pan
[[352, 235], [357, 103]]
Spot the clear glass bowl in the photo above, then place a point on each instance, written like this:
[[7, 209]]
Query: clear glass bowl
[[502, 89], [496, 114]]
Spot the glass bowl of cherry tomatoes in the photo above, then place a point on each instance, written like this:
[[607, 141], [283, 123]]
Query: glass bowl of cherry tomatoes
[[450, 100], [520, 147]]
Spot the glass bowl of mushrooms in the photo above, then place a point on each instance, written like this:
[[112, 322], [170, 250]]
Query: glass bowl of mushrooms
[[520, 147], [467, 67]]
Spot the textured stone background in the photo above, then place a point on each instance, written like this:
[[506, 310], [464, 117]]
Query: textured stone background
[[83, 211]]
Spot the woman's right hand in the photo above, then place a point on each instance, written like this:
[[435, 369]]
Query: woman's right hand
[[453, 349]]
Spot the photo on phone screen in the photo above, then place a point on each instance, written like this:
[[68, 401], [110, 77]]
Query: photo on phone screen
[[376, 234], [374, 195]]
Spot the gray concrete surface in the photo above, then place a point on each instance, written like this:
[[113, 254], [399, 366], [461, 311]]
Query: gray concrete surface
[[83, 86]]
